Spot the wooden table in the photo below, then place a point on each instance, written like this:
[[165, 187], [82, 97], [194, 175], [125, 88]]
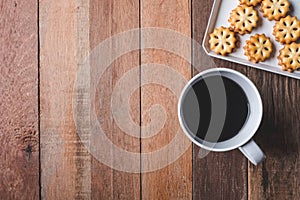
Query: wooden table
[[42, 43]]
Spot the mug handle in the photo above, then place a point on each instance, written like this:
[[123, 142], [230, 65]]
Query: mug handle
[[252, 151]]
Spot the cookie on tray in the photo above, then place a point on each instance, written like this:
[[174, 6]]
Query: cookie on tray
[[287, 30], [258, 48], [222, 41], [243, 19], [250, 2], [289, 57], [274, 9]]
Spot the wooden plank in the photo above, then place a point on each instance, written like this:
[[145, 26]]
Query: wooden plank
[[108, 18], [218, 175], [173, 181], [64, 41], [19, 151], [278, 177], [69, 30]]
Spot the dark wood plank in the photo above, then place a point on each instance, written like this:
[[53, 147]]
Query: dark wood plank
[[218, 175], [19, 145], [278, 177], [173, 181], [108, 18], [65, 162]]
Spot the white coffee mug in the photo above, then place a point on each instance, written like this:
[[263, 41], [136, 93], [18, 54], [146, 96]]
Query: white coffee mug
[[243, 139]]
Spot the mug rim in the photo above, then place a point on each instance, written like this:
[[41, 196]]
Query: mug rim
[[253, 130]]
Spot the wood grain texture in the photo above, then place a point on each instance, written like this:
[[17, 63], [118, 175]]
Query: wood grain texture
[[19, 152], [69, 30], [278, 177], [108, 18], [218, 175], [175, 180], [64, 41]]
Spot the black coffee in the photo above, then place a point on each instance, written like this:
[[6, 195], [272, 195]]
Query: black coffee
[[205, 120]]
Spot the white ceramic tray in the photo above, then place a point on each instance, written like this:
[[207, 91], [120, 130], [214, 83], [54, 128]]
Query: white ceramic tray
[[219, 17]]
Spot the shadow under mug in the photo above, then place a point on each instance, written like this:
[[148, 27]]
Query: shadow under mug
[[243, 139]]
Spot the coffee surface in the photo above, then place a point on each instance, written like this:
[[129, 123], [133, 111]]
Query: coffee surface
[[230, 110]]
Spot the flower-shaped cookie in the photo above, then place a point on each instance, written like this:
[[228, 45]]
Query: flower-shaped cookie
[[287, 30], [222, 40], [289, 57], [243, 19], [250, 2], [274, 9], [258, 48]]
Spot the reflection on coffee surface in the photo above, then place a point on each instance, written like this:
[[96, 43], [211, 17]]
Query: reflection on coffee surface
[[197, 109]]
